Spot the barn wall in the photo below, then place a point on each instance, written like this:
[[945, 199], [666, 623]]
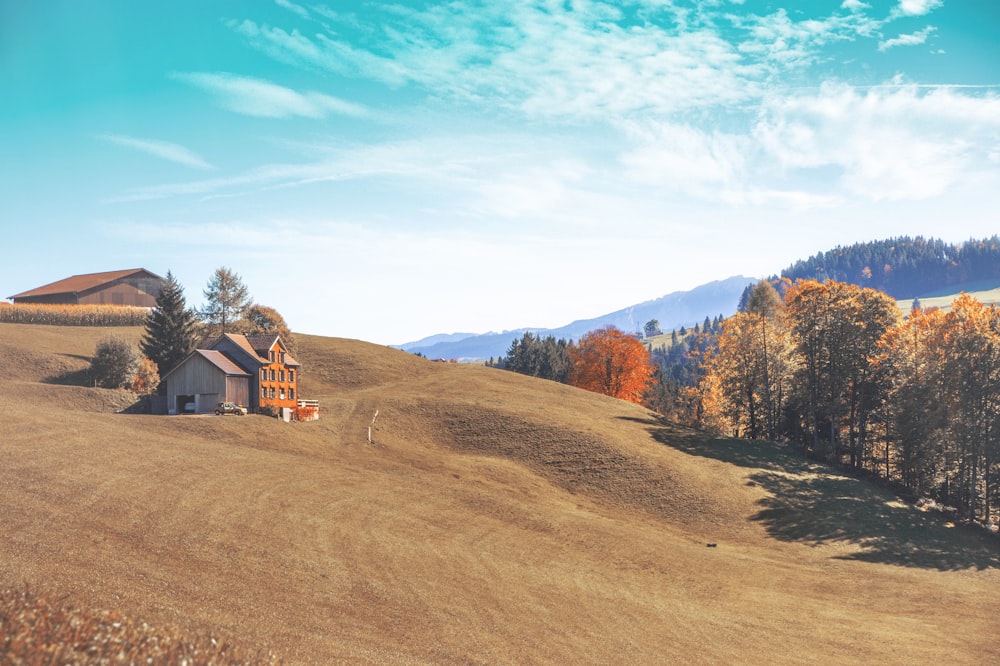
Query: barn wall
[[49, 299], [238, 390], [135, 290], [196, 376]]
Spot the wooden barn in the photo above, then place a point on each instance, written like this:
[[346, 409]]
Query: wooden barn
[[136, 286], [203, 379]]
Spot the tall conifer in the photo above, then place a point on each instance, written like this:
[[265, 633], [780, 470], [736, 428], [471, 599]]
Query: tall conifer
[[227, 300], [171, 328]]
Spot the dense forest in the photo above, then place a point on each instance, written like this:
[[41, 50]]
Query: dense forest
[[904, 267], [837, 369]]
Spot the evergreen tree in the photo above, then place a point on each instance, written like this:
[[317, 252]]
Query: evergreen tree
[[227, 301], [170, 328]]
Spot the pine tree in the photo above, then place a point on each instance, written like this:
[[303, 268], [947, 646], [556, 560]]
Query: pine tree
[[170, 328]]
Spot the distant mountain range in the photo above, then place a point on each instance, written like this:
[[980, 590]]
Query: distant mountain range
[[681, 308]]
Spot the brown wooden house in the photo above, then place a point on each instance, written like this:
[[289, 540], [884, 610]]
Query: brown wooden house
[[136, 287], [252, 370]]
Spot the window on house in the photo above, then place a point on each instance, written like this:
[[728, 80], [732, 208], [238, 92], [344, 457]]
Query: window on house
[[291, 394], [263, 374], [281, 375], [282, 357], [291, 375], [272, 374], [270, 355], [272, 391], [263, 392], [282, 394]]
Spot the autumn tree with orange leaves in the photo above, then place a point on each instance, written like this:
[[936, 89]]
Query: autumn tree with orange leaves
[[611, 362]]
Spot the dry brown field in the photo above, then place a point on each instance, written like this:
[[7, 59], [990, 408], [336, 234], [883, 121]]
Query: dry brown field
[[495, 519]]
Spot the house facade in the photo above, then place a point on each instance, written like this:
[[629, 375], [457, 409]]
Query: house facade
[[252, 370], [136, 287]]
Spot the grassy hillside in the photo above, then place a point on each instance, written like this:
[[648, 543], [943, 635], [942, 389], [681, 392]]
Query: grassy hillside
[[497, 519]]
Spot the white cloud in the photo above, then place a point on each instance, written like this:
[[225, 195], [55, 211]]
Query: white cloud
[[893, 143], [854, 5], [917, 7], [165, 150], [256, 97], [912, 39]]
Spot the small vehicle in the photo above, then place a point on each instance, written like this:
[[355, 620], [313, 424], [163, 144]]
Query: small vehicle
[[230, 408]]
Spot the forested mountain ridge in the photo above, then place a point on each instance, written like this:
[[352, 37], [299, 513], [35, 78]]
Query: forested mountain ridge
[[905, 267]]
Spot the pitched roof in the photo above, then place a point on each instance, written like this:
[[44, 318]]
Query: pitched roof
[[79, 283], [262, 342], [243, 343], [216, 358], [256, 346], [262, 345], [222, 362]]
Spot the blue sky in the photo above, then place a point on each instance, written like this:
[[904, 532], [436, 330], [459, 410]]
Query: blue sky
[[387, 171]]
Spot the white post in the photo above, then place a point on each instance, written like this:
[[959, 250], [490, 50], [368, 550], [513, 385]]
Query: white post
[[372, 425]]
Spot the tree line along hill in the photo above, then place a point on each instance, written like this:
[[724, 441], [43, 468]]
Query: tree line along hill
[[905, 267]]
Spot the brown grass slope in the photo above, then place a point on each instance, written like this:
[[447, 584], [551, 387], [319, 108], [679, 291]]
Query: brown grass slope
[[496, 519]]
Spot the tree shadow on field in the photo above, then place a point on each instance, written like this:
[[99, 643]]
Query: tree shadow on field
[[71, 377], [813, 503]]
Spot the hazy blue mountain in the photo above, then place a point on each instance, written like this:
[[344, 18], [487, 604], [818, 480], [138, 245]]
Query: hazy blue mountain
[[681, 308], [436, 339]]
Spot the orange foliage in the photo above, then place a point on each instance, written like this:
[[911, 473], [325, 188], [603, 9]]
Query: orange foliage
[[611, 362], [146, 377]]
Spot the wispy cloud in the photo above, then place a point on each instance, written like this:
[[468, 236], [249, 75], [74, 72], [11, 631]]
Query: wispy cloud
[[292, 7], [699, 103], [912, 39], [257, 97], [583, 62], [165, 150], [888, 143], [579, 61]]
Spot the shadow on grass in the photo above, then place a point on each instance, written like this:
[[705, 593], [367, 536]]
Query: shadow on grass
[[79, 377], [813, 503]]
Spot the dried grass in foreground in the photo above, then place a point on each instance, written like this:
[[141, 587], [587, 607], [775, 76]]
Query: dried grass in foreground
[[36, 629]]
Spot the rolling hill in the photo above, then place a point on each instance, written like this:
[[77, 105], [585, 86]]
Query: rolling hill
[[496, 518]]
